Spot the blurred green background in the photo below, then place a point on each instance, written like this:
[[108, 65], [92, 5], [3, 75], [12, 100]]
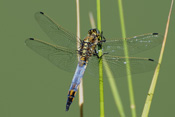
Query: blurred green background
[[30, 86]]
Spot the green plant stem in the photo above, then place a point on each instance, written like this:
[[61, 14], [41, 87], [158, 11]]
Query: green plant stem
[[156, 73], [131, 92], [100, 63]]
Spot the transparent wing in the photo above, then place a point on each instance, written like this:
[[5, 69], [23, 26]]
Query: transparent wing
[[55, 32], [63, 58], [117, 65], [92, 67], [135, 44]]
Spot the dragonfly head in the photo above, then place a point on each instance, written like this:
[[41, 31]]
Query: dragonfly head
[[94, 31]]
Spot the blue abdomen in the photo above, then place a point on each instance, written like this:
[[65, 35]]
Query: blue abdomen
[[75, 84]]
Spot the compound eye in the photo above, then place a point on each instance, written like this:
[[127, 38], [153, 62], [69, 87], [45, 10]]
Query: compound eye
[[90, 32], [94, 30]]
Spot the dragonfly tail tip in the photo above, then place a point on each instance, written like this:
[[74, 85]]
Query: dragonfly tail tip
[[67, 107]]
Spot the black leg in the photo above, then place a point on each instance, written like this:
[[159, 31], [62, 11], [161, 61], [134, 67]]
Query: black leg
[[103, 39], [96, 54]]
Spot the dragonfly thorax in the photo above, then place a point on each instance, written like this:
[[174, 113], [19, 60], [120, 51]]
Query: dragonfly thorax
[[88, 46]]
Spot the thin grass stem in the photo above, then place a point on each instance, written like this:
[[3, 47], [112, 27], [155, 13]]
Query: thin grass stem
[[156, 73], [100, 63], [131, 92], [114, 89], [92, 21], [81, 97]]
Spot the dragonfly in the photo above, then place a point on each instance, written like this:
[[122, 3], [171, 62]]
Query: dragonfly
[[66, 56]]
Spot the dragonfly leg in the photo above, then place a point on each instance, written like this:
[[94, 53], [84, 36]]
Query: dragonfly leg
[[105, 53], [103, 39], [96, 54]]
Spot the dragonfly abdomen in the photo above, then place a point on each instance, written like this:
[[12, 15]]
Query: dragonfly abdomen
[[87, 49], [75, 83]]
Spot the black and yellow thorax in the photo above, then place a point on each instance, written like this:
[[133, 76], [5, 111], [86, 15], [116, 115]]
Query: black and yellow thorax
[[88, 46]]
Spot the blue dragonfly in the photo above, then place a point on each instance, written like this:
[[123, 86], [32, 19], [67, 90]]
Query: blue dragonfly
[[66, 56]]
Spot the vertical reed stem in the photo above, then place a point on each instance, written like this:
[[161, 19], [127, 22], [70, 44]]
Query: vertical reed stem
[[131, 92], [81, 98], [100, 63]]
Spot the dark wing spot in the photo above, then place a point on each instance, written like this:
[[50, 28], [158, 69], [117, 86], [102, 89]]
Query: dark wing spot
[[41, 13], [151, 59], [31, 38], [155, 33]]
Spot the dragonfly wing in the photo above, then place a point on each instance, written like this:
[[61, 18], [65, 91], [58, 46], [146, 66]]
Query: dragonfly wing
[[56, 33], [135, 44], [117, 65], [62, 57], [92, 67]]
